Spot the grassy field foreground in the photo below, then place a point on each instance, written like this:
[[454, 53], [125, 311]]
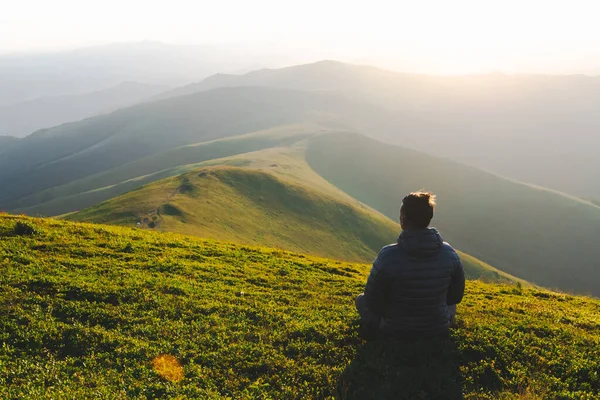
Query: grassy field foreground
[[91, 311]]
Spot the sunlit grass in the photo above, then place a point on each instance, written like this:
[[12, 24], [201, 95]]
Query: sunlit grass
[[168, 367], [86, 308]]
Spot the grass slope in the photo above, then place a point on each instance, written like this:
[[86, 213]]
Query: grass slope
[[250, 207], [106, 312], [91, 190], [542, 236], [276, 205]]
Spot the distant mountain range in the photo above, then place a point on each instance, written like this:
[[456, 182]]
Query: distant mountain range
[[330, 109], [21, 119], [29, 76], [535, 128]]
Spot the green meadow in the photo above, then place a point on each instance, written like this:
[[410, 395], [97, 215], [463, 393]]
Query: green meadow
[[105, 312]]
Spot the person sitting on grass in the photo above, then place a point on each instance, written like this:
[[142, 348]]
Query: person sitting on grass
[[414, 284]]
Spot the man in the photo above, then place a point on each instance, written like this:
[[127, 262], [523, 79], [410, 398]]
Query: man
[[414, 284]]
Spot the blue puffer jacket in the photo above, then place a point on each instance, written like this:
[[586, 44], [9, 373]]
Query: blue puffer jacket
[[413, 281]]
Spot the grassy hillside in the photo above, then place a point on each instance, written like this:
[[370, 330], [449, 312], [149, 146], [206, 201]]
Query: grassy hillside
[[253, 207], [536, 234], [95, 311], [91, 190], [275, 201], [373, 178], [249, 207]]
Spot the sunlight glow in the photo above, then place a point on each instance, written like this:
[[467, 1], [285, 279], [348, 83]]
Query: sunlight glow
[[168, 367], [459, 36]]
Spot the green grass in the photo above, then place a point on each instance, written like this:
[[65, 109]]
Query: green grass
[[86, 308], [263, 204], [91, 190], [545, 237]]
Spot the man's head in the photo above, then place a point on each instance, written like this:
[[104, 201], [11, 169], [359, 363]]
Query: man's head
[[417, 210]]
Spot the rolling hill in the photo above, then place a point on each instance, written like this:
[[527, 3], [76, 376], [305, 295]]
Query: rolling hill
[[78, 165], [475, 120], [90, 190], [73, 151], [536, 234], [111, 312], [534, 128], [378, 176], [23, 118], [251, 206]]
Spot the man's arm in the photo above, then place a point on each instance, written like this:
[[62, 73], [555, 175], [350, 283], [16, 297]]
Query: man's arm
[[456, 290], [374, 290]]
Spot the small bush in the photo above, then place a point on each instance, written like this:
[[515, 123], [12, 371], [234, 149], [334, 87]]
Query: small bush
[[128, 248], [23, 229]]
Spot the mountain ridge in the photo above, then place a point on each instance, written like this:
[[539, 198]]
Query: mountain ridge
[[472, 119]]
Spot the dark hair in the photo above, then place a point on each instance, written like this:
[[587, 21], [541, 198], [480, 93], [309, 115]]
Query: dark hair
[[417, 209]]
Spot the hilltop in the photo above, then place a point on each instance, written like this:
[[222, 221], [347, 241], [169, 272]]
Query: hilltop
[[263, 207], [252, 207], [109, 312]]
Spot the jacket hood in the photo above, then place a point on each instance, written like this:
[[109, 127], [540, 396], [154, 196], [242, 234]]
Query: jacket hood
[[422, 243]]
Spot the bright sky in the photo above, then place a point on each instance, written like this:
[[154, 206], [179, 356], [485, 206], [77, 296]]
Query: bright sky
[[446, 36]]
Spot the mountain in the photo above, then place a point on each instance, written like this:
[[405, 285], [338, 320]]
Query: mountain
[[21, 119], [258, 207], [537, 129], [540, 129], [91, 309], [380, 176], [72, 151], [534, 233], [324, 75], [29, 76], [5, 141], [93, 189]]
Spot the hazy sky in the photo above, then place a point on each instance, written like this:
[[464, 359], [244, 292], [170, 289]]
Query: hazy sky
[[448, 36]]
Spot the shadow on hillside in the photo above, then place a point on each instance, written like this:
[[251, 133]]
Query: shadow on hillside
[[403, 369]]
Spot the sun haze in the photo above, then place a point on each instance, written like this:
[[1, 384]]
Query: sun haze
[[456, 37]]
